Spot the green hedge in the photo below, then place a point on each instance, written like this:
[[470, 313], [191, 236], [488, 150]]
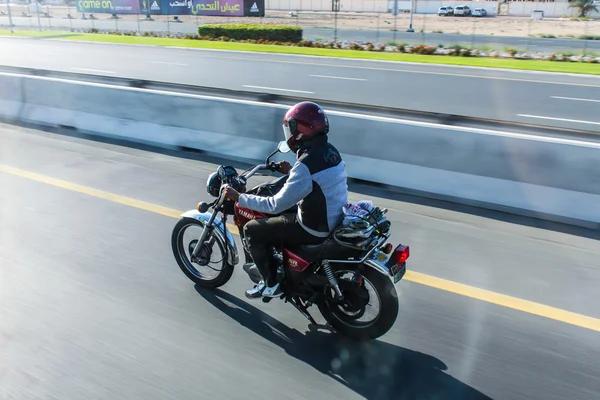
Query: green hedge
[[252, 31]]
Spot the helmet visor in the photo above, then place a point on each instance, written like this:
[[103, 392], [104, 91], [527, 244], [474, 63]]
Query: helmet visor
[[287, 132]]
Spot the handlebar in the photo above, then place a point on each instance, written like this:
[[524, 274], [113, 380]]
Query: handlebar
[[254, 170], [272, 166]]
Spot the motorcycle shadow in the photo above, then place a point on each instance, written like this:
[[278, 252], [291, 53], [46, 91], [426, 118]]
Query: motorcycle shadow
[[374, 370]]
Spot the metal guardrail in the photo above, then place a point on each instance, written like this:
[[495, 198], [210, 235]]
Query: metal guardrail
[[405, 114]]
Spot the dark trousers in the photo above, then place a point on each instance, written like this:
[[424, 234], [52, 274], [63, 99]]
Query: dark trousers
[[261, 234]]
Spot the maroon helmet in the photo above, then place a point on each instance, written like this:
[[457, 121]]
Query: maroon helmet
[[302, 122]]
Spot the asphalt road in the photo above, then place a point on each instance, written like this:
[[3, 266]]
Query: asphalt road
[[382, 35], [93, 305], [567, 101]]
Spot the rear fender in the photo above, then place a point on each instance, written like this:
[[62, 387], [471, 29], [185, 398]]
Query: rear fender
[[220, 232], [378, 261]]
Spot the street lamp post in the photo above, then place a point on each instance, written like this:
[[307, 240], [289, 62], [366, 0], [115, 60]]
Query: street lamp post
[[9, 16], [412, 8], [395, 12], [336, 8], [37, 10]]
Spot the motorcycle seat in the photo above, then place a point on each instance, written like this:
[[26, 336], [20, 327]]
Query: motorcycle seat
[[333, 251]]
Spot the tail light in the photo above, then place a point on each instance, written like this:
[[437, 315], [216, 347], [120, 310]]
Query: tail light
[[401, 253]]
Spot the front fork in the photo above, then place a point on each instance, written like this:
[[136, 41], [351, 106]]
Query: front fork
[[207, 230]]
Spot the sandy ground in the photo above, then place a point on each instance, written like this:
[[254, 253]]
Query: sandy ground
[[501, 26]]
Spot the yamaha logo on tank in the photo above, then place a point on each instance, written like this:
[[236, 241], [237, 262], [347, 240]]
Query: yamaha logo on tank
[[245, 214]]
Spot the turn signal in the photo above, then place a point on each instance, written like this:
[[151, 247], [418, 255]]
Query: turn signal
[[387, 249], [402, 253]]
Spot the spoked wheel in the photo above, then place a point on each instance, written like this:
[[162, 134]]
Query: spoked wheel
[[210, 267], [370, 305]]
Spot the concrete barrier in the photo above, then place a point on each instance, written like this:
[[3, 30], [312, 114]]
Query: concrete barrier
[[11, 97], [552, 178], [160, 118]]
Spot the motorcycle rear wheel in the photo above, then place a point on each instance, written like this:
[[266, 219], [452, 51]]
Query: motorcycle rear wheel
[[179, 246], [343, 322]]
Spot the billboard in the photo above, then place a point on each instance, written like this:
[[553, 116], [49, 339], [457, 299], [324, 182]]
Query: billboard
[[254, 8], [217, 8], [152, 7], [221, 8], [109, 6]]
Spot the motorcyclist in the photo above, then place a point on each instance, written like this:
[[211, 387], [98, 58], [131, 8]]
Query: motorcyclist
[[317, 183]]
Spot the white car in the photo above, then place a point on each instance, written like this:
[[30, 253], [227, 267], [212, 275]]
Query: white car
[[479, 12], [462, 11], [445, 11]]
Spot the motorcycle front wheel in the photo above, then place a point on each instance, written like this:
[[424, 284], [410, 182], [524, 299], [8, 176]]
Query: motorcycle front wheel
[[200, 269], [355, 318]]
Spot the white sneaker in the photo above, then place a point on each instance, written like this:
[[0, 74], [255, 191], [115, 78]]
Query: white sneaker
[[256, 291], [272, 291]]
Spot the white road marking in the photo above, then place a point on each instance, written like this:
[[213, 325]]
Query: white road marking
[[575, 99], [366, 61], [93, 70], [338, 77], [282, 90], [560, 119], [168, 63], [434, 125], [527, 41]]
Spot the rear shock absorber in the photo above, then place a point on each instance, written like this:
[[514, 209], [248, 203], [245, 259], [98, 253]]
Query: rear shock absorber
[[332, 279]]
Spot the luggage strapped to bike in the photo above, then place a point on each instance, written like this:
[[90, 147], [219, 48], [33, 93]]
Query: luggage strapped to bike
[[374, 225]]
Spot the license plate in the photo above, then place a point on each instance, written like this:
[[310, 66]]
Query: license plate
[[398, 271], [382, 257]]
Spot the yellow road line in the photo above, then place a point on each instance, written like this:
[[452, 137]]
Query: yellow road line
[[115, 198], [169, 212], [515, 303], [505, 301]]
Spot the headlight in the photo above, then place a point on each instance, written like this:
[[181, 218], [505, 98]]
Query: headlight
[[213, 184]]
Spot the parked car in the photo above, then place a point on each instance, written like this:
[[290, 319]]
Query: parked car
[[479, 12], [462, 11], [445, 11]]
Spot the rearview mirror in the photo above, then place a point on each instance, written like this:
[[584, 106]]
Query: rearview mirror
[[283, 147]]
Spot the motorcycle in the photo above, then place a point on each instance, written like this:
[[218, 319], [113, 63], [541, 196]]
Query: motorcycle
[[330, 275]]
